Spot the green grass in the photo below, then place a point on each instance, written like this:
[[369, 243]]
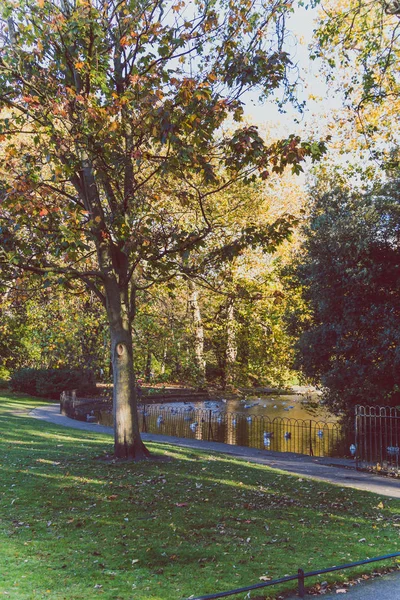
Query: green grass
[[72, 527]]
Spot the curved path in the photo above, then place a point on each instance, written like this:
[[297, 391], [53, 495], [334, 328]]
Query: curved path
[[338, 471], [386, 587]]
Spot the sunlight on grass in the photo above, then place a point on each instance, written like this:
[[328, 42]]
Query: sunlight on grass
[[73, 528]]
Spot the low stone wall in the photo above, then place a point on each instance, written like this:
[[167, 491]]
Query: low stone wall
[[81, 409], [88, 409]]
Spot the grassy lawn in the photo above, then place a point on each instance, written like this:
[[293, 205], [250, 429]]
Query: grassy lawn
[[72, 527]]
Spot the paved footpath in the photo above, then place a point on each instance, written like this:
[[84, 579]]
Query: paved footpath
[[386, 587], [337, 471], [341, 472]]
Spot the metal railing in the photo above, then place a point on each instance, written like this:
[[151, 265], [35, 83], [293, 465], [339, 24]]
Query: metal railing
[[300, 576], [378, 438], [280, 434]]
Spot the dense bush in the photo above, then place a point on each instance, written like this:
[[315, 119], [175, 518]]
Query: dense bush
[[349, 322], [24, 380], [49, 383]]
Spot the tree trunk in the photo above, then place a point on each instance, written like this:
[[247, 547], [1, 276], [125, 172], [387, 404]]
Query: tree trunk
[[164, 359], [147, 371], [198, 332], [178, 361], [127, 440], [113, 264], [231, 348]]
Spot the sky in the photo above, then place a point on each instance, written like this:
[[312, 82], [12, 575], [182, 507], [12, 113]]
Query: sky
[[312, 83]]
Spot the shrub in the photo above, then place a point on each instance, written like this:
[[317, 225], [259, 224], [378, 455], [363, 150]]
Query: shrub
[[49, 383], [4, 372], [4, 377], [24, 380]]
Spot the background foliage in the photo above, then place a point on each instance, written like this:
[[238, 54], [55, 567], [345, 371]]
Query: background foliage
[[348, 308]]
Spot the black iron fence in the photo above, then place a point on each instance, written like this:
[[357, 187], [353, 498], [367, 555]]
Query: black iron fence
[[378, 438], [280, 434], [300, 576], [304, 436]]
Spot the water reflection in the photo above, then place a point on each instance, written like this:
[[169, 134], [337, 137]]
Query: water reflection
[[280, 424]]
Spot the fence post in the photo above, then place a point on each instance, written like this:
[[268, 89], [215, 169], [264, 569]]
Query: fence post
[[311, 450], [300, 575], [209, 425]]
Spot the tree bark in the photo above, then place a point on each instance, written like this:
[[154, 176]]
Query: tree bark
[[198, 332], [127, 439], [164, 359], [231, 347], [147, 371]]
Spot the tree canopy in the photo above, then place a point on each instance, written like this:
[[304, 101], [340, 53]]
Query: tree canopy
[[358, 42], [120, 125]]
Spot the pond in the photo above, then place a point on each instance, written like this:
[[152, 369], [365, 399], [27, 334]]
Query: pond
[[281, 423], [295, 406]]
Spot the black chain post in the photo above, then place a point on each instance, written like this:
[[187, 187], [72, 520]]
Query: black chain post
[[300, 574]]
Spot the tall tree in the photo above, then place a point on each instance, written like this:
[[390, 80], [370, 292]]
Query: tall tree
[[347, 269], [114, 145], [198, 332]]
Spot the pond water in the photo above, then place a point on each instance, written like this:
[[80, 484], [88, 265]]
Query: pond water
[[295, 406]]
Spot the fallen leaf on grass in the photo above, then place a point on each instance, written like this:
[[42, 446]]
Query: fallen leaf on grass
[[181, 504], [341, 591], [264, 578]]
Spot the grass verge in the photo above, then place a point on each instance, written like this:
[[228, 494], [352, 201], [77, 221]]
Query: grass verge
[[72, 527]]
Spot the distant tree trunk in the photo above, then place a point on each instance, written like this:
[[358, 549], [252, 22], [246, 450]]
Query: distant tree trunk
[[244, 348], [164, 359], [231, 347], [147, 371], [198, 331], [176, 351]]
